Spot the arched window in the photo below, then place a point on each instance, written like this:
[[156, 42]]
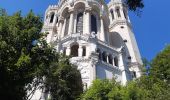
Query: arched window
[[124, 12], [57, 20], [118, 12], [104, 56], [67, 25], [74, 50], [93, 24], [112, 14], [84, 51], [79, 26], [110, 59], [133, 74], [52, 18], [116, 61], [99, 52]]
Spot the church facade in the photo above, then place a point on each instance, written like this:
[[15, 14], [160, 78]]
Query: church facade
[[97, 36]]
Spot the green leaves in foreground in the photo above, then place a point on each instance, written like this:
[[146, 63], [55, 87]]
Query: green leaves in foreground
[[22, 61]]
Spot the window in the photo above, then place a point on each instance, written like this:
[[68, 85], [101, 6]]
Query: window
[[74, 50], [79, 26], [57, 20], [112, 14], [66, 26], [134, 74], [116, 61], [52, 18], [104, 56], [84, 51], [98, 51], [110, 59], [124, 12], [93, 24], [118, 12]]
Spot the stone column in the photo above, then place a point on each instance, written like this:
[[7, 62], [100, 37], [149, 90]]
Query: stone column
[[88, 21], [94, 60], [113, 61], [107, 58], [80, 51], [84, 24], [60, 27], [102, 33], [63, 28], [75, 23], [68, 51], [54, 20], [111, 20], [115, 13], [122, 13], [71, 23], [123, 69]]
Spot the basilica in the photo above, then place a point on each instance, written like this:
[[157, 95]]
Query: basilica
[[97, 35]]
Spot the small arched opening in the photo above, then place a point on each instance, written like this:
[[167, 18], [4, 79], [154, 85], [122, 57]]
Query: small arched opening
[[112, 14], [99, 52], [52, 18], [118, 12], [125, 13], [104, 56], [84, 51], [110, 58], [93, 24], [116, 61], [74, 50], [57, 20]]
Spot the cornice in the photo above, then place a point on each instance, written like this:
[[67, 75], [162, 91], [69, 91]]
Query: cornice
[[120, 22]]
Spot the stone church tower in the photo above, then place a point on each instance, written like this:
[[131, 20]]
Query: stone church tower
[[97, 36]]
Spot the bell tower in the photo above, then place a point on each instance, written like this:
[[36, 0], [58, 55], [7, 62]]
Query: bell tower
[[120, 24]]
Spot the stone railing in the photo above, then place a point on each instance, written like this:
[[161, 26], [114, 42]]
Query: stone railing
[[77, 36], [110, 66], [107, 45]]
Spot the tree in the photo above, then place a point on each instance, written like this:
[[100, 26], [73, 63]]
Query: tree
[[64, 80], [24, 62], [111, 90], [160, 66], [17, 64], [134, 4]]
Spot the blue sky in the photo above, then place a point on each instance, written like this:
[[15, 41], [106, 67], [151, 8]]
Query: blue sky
[[152, 29]]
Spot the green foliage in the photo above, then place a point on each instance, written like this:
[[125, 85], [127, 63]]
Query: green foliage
[[16, 56], [21, 61], [64, 80], [99, 90], [160, 66], [134, 4], [110, 90]]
